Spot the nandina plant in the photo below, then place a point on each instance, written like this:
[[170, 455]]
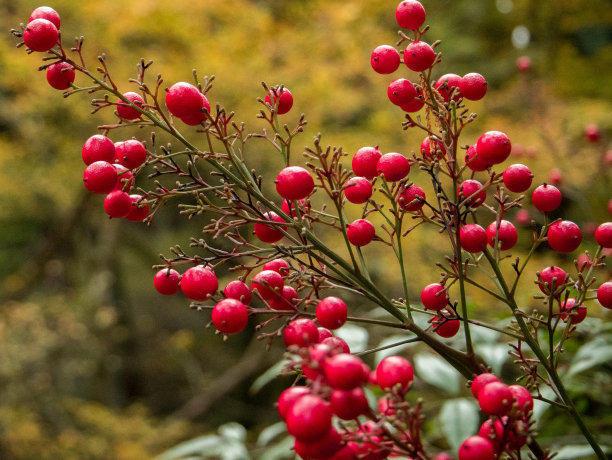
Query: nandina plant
[[270, 232]]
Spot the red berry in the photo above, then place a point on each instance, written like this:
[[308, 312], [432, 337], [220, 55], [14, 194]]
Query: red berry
[[572, 312], [166, 281], [117, 204], [555, 176], [564, 236], [592, 133], [288, 397], [288, 207], [278, 265], [603, 235], [410, 14], [230, 316], [331, 312], [474, 161], [517, 178], [60, 75], [349, 404], [523, 218], [238, 290], [494, 147], [301, 332], [98, 148], [446, 85], [401, 91], [286, 300], [523, 63], [493, 430], [445, 327], [551, 278], [199, 283], [385, 59], [476, 448], [415, 104], [480, 381], [473, 86], [313, 365], [505, 235], [365, 161], [471, 190], [323, 447], [336, 344], [439, 149], [393, 166], [360, 232], [394, 371], [419, 56], [309, 418], [345, 372], [604, 294], [130, 153], [40, 35], [269, 233], [411, 198], [473, 238], [185, 100], [268, 284], [139, 210], [282, 97], [125, 178], [294, 183], [522, 398], [126, 111], [357, 190], [546, 198], [495, 398], [100, 177], [48, 13], [434, 296], [324, 333]]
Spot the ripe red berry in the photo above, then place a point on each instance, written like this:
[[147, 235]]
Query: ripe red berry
[[604, 294], [349, 404], [411, 198], [360, 232], [48, 13], [523, 218], [385, 59], [445, 327], [473, 238], [282, 97], [331, 312], [130, 153], [572, 312], [357, 190], [126, 111], [564, 236], [517, 178], [393, 166], [471, 190], [476, 448], [60, 75], [98, 148], [446, 85], [415, 104], [505, 235], [336, 344], [522, 398], [495, 398], [199, 283], [278, 265], [546, 198], [139, 210], [230, 316], [473, 86], [401, 91], [294, 183], [434, 296], [100, 177], [523, 64], [345, 371], [410, 14], [419, 56], [288, 397], [494, 147], [603, 235], [479, 382], [301, 332], [313, 365], [365, 161], [288, 207], [268, 284], [185, 100], [238, 290], [117, 204], [439, 149], [309, 418], [555, 176], [592, 133], [269, 233], [125, 178], [551, 278], [493, 430], [324, 333], [40, 35], [166, 281], [323, 447], [474, 161], [285, 301], [394, 371]]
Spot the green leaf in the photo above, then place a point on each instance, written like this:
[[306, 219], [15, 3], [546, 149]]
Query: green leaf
[[380, 355], [458, 420], [193, 448], [582, 452], [356, 337], [437, 372], [539, 406], [591, 354], [495, 355], [269, 375], [269, 433]]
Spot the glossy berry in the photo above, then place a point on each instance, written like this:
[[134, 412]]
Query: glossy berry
[[546, 198], [564, 236], [479, 382], [572, 312], [474, 161], [473, 86], [322, 447], [445, 327], [60, 75], [385, 59], [336, 344], [40, 35], [125, 178], [331, 312], [603, 235], [309, 418], [267, 283], [360, 232], [401, 91], [410, 14], [419, 56], [100, 177], [139, 210], [365, 161], [447, 85], [411, 198], [604, 294], [282, 97], [294, 183], [269, 233], [130, 153], [125, 110], [555, 176], [288, 397], [345, 371], [278, 265], [393, 166], [98, 148], [238, 290], [349, 404], [117, 204], [166, 281], [476, 448], [301, 332], [285, 301], [493, 430], [505, 235], [199, 283], [471, 190], [435, 151], [230, 316], [551, 278], [522, 398], [394, 371], [494, 147], [415, 104], [473, 238], [324, 333], [48, 13], [517, 178], [495, 398], [434, 296], [288, 207], [523, 217], [357, 190], [185, 100], [592, 133]]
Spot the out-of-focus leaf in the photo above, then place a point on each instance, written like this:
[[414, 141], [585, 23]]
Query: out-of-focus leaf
[[380, 355], [458, 420], [269, 433], [227, 445], [279, 451], [539, 407], [269, 375], [192, 448], [591, 354], [437, 372], [495, 355], [355, 336], [233, 431], [483, 334], [577, 451]]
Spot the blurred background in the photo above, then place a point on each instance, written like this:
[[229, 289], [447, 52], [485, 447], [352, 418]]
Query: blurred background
[[95, 365]]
